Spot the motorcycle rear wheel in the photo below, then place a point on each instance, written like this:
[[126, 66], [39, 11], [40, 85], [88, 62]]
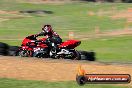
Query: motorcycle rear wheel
[[76, 56]]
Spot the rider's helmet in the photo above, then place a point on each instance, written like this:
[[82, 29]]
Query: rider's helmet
[[47, 29]]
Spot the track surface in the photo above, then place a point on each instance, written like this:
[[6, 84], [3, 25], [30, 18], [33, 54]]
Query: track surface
[[54, 70]]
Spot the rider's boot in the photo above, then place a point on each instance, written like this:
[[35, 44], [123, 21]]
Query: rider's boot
[[55, 48]]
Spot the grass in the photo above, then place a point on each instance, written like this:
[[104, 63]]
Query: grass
[[73, 16], [69, 17], [66, 17], [108, 49], [13, 83], [112, 49]]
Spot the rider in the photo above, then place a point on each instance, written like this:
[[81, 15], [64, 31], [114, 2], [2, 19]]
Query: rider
[[52, 37]]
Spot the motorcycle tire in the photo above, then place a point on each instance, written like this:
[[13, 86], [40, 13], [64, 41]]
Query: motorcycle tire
[[3, 51], [12, 53], [13, 50], [3, 45], [77, 55], [91, 56]]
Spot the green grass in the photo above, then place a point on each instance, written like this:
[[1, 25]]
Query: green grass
[[108, 49], [73, 16], [66, 17], [113, 49], [69, 17], [13, 83]]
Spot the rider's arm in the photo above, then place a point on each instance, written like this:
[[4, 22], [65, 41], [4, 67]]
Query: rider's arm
[[41, 34], [31, 36]]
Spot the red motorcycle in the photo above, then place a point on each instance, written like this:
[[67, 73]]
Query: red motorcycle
[[37, 48]]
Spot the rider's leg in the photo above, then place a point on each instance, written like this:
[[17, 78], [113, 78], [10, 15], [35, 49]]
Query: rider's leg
[[53, 43], [56, 41]]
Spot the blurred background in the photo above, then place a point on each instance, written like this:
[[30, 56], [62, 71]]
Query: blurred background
[[103, 26]]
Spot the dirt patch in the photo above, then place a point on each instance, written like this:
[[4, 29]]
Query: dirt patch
[[115, 32], [122, 15], [3, 13], [1, 19], [44, 1], [11, 15], [54, 70], [91, 35], [8, 12]]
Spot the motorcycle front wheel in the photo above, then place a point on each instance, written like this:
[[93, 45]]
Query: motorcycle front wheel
[[24, 53]]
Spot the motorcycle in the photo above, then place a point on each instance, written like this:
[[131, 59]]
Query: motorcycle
[[32, 47]]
